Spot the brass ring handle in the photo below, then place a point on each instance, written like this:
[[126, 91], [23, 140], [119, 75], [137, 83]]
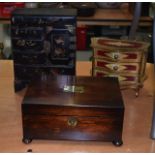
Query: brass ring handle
[[72, 121], [115, 68], [116, 56]]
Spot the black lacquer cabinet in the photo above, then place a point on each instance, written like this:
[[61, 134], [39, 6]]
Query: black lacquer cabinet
[[43, 42]]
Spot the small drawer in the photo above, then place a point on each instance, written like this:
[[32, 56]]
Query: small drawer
[[23, 58], [123, 78], [27, 45], [116, 67], [30, 33], [116, 55]]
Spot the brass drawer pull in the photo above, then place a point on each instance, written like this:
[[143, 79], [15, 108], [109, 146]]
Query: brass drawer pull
[[116, 56], [72, 121], [115, 68]]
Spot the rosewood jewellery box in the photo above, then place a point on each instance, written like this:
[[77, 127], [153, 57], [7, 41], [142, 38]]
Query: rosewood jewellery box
[[73, 108]]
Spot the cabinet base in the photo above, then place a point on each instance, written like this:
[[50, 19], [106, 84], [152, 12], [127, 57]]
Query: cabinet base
[[115, 142]]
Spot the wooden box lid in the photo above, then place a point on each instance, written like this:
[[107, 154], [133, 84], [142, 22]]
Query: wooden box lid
[[97, 92]]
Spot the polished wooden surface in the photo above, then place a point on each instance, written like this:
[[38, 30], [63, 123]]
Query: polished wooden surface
[[94, 114], [136, 129], [49, 90], [47, 127]]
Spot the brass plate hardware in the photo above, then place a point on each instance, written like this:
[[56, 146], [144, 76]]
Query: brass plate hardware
[[73, 89], [72, 121]]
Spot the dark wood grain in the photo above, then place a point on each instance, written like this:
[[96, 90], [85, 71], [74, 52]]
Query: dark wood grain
[[46, 109], [98, 92], [70, 110], [56, 127]]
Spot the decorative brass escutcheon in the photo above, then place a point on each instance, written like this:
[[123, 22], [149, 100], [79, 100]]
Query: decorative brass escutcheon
[[116, 56], [72, 121], [115, 68]]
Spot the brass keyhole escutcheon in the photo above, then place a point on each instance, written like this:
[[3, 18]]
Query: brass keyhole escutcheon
[[115, 56], [72, 121]]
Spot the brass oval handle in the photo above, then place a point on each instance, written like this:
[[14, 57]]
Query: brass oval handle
[[115, 68], [116, 56], [72, 121]]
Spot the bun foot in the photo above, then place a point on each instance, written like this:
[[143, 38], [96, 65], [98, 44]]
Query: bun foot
[[27, 140], [117, 142], [137, 92]]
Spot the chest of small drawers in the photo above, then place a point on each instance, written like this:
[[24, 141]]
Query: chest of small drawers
[[43, 42], [119, 58]]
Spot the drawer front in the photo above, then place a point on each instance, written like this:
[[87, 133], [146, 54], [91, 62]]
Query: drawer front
[[72, 127], [116, 55], [123, 78], [23, 58], [29, 33], [27, 45], [117, 67]]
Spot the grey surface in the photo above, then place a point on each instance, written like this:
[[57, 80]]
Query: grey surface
[[83, 55], [135, 21], [153, 118]]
